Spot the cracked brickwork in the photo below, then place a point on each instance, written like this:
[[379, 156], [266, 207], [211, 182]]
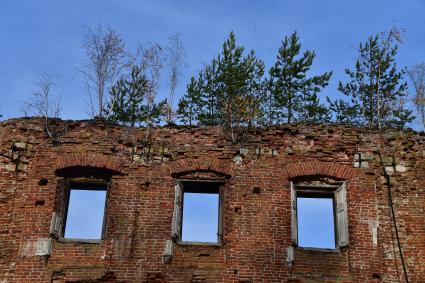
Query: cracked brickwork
[[256, 202]]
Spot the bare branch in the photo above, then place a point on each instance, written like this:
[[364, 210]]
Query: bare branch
[[45, 101], [151, 60], [176, 61], [417, 76], [105, 60], [394, 35]]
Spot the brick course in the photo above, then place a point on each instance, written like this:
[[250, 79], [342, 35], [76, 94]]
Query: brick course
[[256, 223]]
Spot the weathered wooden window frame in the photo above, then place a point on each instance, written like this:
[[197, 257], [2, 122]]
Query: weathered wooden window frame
[[59, 219], [178, 211], [338, 195]]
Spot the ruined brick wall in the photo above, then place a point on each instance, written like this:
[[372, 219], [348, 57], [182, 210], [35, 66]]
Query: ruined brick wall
[[256, 202]]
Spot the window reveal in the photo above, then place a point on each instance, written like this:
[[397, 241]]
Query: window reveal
[[321, 210], [197, 212], [83, 212]]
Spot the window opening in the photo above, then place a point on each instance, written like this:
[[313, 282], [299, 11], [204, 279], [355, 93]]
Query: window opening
[[316, 226], [319, 216], [200, 217], [197, 216], [85, 211]]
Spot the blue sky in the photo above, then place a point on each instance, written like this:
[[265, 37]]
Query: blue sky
[[87, 207], [85, 214], [316, 222], [46, 36], [200, 217]]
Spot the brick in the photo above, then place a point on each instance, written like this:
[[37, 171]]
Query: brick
[[256, 226]]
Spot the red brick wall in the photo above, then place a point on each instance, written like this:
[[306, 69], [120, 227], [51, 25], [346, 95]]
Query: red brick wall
[[256, 225]]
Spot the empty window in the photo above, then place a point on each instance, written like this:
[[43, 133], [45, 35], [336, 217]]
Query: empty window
[[319, 216], [83, 212], [316, 222], [197, 212]]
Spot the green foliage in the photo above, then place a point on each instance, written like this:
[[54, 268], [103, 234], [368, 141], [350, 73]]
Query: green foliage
[[227, 92], [130, 103], [209, 95], [188, 105], [292, 95], [231, 91], [376, 89], [344, 112], [313, 111]]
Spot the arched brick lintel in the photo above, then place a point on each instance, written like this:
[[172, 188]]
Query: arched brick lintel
[[91, 160], [311, 168], [205, 164]]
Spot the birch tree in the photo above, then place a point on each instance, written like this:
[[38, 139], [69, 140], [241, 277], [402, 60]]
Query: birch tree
[[176, 61], [105, 58], [417, 76], [45, 101]]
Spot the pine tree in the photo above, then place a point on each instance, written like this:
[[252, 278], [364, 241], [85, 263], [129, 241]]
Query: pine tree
[[188, 108], [269, 109], [376, 88], [227, 92], [209, 89], [240, 78], [345, 112], [293, 95], [129, 104], [314, 111]]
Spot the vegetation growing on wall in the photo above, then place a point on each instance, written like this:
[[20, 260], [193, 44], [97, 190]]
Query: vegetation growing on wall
[[233, 91]]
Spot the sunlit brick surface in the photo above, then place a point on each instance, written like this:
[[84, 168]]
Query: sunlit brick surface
[[256, 202]]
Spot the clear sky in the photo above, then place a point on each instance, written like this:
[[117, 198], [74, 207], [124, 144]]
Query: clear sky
[[200, 217], [46, 36], [316, 222], [86, 210]]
